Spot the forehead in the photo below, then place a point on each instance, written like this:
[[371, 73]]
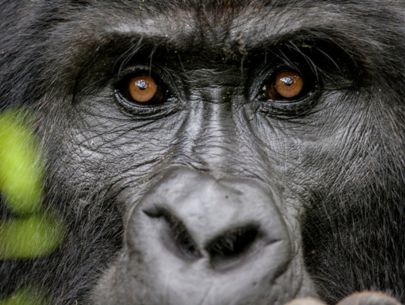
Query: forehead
[[212, 21], [219, 12], [210, 27]]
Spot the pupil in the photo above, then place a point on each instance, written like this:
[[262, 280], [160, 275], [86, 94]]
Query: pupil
[[142, 85], [288, 81]]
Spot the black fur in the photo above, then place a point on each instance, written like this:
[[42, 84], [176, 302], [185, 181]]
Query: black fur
[[340, 164]]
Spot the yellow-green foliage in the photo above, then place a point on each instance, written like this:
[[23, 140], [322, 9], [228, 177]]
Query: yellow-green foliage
[[24, 297], [33, 233], [20, 171], [31, 237]]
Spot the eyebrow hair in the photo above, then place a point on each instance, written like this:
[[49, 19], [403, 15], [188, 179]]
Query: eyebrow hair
[[134, 42], [119, 48]]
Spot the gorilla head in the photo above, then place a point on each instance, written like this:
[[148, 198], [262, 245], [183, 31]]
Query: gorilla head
[[213, 152]]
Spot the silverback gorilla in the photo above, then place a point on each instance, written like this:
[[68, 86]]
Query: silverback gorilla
[[215, 152]]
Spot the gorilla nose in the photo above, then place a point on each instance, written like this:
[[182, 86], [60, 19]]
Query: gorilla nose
[[195, 233], [220, 244]]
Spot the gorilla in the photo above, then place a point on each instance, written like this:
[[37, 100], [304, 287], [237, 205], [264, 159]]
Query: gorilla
[[214, 152]]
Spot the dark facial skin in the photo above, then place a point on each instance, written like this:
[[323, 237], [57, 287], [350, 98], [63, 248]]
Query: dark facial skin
[[220, 191]]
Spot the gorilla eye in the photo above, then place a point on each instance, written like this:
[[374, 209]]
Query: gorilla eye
[[285, 85], [143, 89]]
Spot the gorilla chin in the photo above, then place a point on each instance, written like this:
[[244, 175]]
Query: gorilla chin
[[213, 152]]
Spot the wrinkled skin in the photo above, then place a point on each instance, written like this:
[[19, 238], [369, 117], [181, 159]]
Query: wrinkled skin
[[215, 196]]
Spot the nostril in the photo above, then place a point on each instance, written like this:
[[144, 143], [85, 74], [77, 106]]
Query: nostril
[[181, 237], [175, 235], [233, 244]]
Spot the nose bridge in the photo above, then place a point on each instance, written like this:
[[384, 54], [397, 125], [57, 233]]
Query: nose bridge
[[211, 136]]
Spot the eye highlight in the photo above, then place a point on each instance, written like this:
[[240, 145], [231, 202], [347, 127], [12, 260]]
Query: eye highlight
[[285, 85], [143, 89]]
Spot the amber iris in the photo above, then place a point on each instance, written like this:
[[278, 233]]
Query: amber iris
[[143, 89], [286, 85]]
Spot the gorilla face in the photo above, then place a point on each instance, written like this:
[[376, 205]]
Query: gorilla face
[[214, 152]]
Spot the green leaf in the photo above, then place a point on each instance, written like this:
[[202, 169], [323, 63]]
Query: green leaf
[[24, 297], [32, 237], [20, 167]]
